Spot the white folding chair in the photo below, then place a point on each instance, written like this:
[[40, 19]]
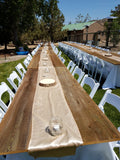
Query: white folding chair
[[71, 66], [21, 70], [114, 100], [91, 64], [33, 52], [26, 63], [100, 66], [79, 72], [4, 88], [110, 98], [91, 82], [28, 59], [29, 55], [85, 62], [59, 54], [11, 79], [62, 59]]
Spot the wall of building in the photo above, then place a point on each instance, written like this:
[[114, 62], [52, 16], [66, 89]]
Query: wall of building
[[95, 32]]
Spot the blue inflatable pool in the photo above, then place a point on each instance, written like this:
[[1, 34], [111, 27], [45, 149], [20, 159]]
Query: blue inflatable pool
[[22, 53]]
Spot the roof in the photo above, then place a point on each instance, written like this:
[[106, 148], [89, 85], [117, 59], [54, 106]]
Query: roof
[[77, 26]]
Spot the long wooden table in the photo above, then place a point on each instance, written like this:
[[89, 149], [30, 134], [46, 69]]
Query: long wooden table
[[112, 62], [114, 58], [16, 126]]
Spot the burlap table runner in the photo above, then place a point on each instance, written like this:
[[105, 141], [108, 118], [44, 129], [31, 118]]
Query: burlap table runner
[[50, 102]]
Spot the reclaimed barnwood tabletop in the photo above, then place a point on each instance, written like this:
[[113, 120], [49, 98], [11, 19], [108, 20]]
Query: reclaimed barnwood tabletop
[[15, 128], [94, 126], [114, 58]]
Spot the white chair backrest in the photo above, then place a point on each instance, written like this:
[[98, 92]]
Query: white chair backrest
[[91, 82], [12, 78], [21, 70], [99, 68], [85, 61], [59, 54], [26, 63], [110, 98], [30, 56], [114, 100], [33, 52], [4, 88], [91, 64], [62, 59], [79, 72], [71, 66]]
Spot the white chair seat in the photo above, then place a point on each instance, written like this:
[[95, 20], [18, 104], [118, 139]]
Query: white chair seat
[[71, 66], [79, 72], [91, 82], [114, 100], [12, 78], [26, 63], [4, 88], [21, 70]]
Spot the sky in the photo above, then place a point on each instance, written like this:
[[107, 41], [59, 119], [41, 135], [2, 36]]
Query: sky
[[97, 9]]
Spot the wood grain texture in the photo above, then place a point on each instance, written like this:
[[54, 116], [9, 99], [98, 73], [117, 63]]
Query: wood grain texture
[[35, 60], [114, 59], [55, 60], [15, 128], [93, 125]]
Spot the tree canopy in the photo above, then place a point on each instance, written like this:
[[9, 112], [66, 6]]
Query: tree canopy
[[52, 18], [113, 27], [21, 19], [116, 13]]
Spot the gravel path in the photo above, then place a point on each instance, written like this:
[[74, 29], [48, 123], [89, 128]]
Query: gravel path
[[11, 58]]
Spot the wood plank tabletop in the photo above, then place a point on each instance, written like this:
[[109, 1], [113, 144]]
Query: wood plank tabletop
[[114, 59], [94, 126], [15, 128]]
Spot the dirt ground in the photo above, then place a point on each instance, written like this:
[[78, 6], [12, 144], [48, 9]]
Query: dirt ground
[[10, 55]]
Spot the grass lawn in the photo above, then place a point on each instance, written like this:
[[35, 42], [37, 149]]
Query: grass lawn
[[5, 70]]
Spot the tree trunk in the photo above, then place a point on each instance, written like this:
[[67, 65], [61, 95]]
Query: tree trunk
[[5, 46], [107, 37], [5, 49]]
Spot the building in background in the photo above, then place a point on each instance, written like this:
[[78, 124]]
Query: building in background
[[88, 32]]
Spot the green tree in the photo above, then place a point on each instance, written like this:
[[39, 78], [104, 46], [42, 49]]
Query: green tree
[[115, 35], [32, 34], [16, 17], [52, 18], [116, 13], [112, 27], [115, 29], [5, 27]]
